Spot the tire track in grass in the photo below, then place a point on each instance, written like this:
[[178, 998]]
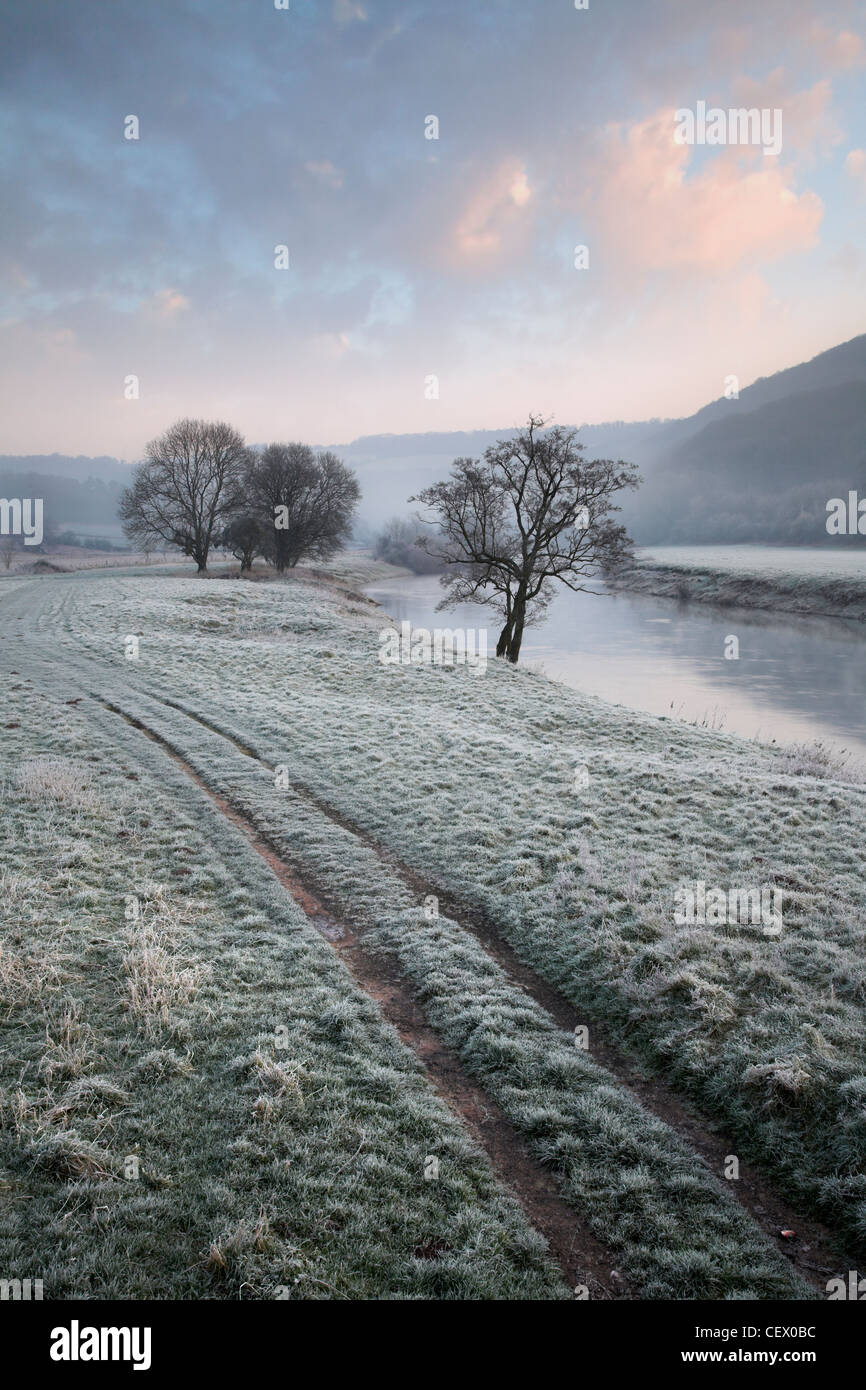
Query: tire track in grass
[[815, 1255], [89, 669], [718, 1251], [356, 1213], [582, 1259]]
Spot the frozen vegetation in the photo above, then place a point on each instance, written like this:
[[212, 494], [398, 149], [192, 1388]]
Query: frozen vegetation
[[198, 1103], [301, 1167]]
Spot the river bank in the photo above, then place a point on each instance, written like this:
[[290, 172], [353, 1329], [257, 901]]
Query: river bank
[[816, 583]]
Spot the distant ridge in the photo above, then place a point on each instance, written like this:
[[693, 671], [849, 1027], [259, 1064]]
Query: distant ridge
[[759, 468]]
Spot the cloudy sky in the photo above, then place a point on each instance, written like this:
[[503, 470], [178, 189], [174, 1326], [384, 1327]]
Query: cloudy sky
[[411, 258]]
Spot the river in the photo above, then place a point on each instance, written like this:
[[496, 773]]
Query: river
[[796, 680]]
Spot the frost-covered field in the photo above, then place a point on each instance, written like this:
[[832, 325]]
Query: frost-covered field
[[197, 1102], [355, 772]]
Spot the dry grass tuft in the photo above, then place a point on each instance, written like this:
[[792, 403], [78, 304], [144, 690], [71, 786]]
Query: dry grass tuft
[[159, 978], [783, 1078], [64, 1154], [24, 979], [55, 780], [247, 1235], [69, 1045], [283, 1082], [817, 759]]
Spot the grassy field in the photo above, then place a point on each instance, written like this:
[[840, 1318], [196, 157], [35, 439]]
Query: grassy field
[[274, 1127], [175, 1001]]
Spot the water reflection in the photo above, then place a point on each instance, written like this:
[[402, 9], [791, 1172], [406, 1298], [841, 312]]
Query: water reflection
[[796, 679]]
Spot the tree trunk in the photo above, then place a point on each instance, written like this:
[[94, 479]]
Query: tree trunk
[[505, 635], [518, 621], [514, 646]]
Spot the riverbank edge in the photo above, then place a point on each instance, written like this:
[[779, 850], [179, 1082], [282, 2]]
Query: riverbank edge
[[792, 593]]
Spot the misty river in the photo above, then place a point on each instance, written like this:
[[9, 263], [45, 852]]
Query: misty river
[[798, 679]]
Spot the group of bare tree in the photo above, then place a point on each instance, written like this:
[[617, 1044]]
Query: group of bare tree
[[201, 487], [533, 511]]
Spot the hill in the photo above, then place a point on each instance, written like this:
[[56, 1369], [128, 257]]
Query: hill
[[759, 468]]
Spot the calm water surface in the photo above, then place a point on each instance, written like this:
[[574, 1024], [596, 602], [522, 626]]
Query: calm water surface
[[796, 680]]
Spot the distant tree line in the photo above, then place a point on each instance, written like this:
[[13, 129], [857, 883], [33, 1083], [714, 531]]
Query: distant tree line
[[201, 487], [676, 514]]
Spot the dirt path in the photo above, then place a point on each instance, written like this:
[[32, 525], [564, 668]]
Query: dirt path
[[584, 1262], [812, 1250]]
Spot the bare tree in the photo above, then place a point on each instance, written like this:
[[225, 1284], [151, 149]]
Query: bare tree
[[305, 502], [8, 546], [534, 510], [188, 484]]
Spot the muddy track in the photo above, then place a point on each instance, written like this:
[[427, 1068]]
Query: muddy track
[[581, 1258], [813, 1251]]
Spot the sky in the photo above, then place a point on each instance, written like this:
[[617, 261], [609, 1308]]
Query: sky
[[431, 283]]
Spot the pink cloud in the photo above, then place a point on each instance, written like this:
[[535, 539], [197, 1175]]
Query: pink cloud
[[345, 11], [166, 304], [808, 125], [748, 32], [836, 49], [491, 221], [325, 172], [855, 166], [329, 346], [737, 210]]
